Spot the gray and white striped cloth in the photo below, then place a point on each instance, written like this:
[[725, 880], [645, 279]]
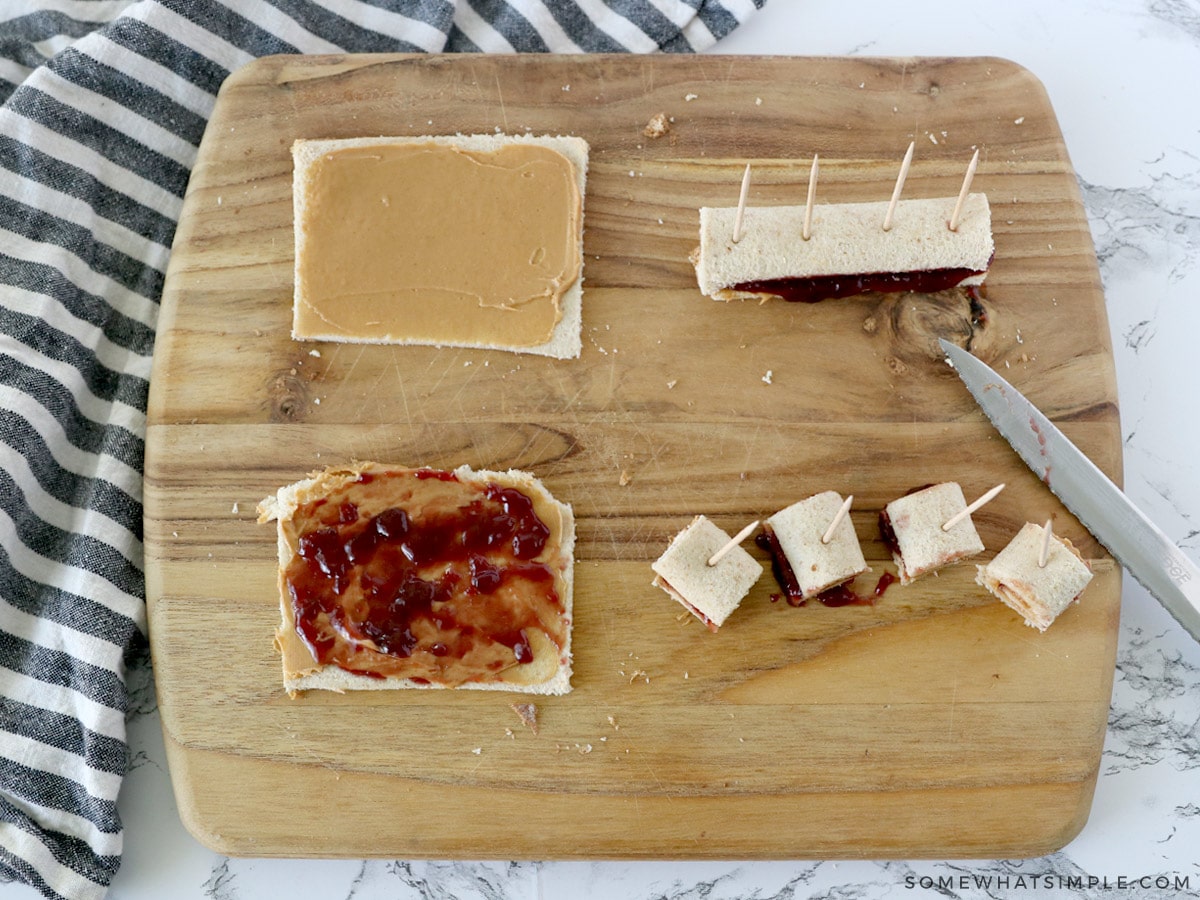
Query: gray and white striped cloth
[[104, 104]]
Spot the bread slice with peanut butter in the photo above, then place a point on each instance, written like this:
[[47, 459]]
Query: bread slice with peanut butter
[[443, 240]]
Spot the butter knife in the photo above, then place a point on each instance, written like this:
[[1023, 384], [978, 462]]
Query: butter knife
[[1136, 543]]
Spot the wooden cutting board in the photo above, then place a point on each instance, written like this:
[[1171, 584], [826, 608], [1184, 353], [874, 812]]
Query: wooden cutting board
[[932, 723]]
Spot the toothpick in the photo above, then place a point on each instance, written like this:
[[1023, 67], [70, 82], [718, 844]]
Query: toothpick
[[962, 194], [963, 513], [806, 232], [887, 220], [741, 210], [733, 542], [837, 520], [1044, 553]]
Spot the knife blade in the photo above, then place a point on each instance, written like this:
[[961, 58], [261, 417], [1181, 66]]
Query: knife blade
[[1133, 540]]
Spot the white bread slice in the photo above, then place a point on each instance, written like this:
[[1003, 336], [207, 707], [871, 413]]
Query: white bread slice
[[550, 670], [846, 239], [710, 593], [817, 566], [564, 343], [921, 545], [1038, 593]]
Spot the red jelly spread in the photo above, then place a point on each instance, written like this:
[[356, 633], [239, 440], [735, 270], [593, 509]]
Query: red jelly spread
[[780, 567], [417, 574], [831, 287], [838, 595]]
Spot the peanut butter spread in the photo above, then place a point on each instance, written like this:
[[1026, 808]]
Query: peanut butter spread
[[430, 243], [417, 574]]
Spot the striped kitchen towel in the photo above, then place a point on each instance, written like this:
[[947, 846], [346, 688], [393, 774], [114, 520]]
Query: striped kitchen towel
[[103, 106]]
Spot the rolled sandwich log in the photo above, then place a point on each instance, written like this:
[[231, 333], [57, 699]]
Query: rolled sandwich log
[[847, 253]]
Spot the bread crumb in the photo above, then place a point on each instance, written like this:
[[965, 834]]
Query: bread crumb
[[566, 87], [477, 751], [690, 97], [1018, 120], [625, 478], [613, 723], [657, 126], [671, 384], [758, 101], [315, 353], [235, 508], [767, 378], [528, 715]]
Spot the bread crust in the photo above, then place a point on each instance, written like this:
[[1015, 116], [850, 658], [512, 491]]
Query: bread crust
[[281, 506]]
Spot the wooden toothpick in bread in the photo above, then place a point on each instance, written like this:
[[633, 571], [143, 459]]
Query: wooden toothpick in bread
[[444, 240], [912, 529], [847, 251], [396, 577], [1038, 593], [709, 592]]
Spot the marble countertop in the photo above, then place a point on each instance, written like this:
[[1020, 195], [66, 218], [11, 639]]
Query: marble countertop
[[1113, 69]]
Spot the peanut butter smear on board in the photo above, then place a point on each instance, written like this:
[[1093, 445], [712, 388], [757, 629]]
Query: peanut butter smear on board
[[432, 243]]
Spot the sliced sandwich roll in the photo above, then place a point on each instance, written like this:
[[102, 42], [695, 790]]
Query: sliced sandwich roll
[[848, 252], [709, 592]]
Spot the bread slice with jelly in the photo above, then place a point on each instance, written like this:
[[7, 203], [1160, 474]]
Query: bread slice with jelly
[[397, 577]]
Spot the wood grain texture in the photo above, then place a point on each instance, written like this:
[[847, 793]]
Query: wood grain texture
[[932, 723]]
